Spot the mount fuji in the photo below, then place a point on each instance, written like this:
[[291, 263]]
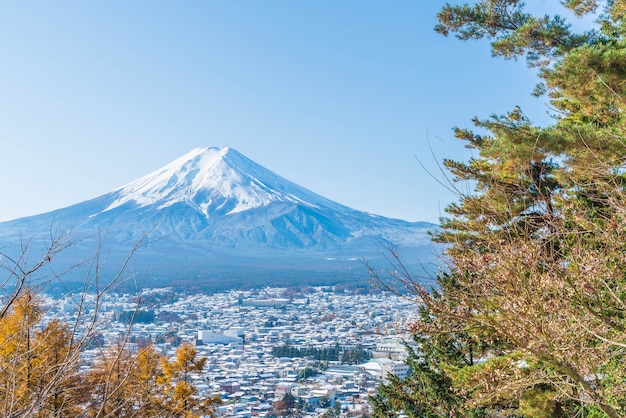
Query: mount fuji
[[214, 218]]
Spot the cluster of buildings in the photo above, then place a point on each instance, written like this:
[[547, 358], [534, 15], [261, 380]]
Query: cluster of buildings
[[238, 332]]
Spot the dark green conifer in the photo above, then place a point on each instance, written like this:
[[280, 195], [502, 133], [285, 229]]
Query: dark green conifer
[[534, 291]]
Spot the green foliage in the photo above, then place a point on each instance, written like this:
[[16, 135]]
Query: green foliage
[[537, 264], [322, 354], [305, 373], [138, 316], [355, 356], [540, 402], [334, 412], [513, 32], [428, 391]]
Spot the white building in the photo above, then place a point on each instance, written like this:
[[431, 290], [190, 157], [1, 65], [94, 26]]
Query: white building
[[210, 337], [381, 368]]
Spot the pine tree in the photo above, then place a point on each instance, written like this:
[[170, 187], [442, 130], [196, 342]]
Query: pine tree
[[428, 390], [536, 271]]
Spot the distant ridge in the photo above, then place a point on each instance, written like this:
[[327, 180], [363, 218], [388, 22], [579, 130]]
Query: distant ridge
[[214, 214]]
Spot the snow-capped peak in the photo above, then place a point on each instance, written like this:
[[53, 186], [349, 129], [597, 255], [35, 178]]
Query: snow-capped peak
[[214, 213], [212, 179]]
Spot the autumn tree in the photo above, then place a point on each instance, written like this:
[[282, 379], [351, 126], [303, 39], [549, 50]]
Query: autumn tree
[[182, 398], [285, 406], [38, 366], [30, 383], [40, 357], [56, 378], [536, 268], [123, 383], [127, 383]]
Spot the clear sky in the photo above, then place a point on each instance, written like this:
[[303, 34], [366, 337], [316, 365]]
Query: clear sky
[[341, 97]]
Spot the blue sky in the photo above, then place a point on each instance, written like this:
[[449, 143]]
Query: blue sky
[[341, 97]]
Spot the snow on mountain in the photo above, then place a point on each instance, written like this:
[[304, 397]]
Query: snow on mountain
[[208, 177], [213, 210]]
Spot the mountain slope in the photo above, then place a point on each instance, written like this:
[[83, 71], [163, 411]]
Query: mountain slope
[[214, 212]]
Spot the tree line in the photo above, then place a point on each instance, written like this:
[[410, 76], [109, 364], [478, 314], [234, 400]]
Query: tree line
[[322, 354], [349, 356]]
